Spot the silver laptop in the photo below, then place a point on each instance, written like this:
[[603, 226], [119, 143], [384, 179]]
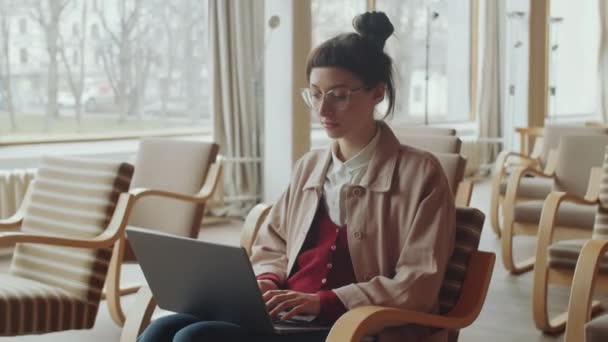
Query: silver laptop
[[206, 280]]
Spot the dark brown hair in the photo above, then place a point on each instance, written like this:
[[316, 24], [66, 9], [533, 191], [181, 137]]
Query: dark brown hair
[[361, 53]]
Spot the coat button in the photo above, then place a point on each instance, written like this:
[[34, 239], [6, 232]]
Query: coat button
[[358, 235], [357, 192]]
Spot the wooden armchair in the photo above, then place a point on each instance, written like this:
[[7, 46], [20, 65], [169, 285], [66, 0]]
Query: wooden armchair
[[461, 297], [173, 181], [72, 216], [571, 176], [542, 158], [141, 312], [568, 263]]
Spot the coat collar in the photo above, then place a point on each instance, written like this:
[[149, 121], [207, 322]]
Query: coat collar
[[380, 171]]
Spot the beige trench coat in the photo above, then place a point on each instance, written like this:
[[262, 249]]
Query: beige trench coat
[[401, 226]]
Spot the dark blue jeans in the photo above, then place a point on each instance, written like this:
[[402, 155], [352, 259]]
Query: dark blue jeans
[[186, 328]]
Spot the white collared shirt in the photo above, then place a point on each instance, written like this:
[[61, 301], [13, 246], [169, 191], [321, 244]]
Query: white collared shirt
[[341, 174]]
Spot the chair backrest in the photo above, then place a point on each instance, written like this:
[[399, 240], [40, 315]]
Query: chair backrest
[[553, 133], [453, 166], [600, 227], [432, 143], [469, 223], [174, 165], [421, 130], [576, 155], [71, 198]]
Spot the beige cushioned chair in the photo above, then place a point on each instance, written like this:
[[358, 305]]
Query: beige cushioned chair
[[70, 219], [541, 158], [172, 182], [581, 264], [175, 165], [571, 176]]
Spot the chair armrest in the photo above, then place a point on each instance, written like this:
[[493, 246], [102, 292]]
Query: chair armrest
[[366, 320], [252, 225], [548, 217], [139, 316], [583, 283], [211, 180], [113, 231], [503, 158], [143, 192], [202, 196], [12, 223], [513, 188], [551, 162]]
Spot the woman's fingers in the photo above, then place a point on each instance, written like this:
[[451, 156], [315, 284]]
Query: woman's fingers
[[296, 310], [286, 305], [274, 299]]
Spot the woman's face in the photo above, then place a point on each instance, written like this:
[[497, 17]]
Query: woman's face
[[345, 108]]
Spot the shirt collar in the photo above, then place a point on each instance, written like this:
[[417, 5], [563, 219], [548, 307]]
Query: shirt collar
[[380, 172], [359, 160]]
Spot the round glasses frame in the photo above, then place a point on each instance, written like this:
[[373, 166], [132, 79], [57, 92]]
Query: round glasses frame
[[337, 98]]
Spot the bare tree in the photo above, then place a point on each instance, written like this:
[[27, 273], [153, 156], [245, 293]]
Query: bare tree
[[194, 33], [76, 81], [48, 17], [5, 67], [118, 55]]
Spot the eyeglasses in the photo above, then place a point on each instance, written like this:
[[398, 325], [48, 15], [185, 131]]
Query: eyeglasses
[[337, 98]]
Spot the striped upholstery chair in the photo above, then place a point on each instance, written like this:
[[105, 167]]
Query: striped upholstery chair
[[461, 296], [50, 287]]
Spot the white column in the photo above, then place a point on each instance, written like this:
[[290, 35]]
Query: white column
[[286, 119]]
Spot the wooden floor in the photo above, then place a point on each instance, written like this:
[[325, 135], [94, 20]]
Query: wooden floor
[[506, 316]]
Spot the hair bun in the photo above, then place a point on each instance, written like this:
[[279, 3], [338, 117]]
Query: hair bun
[[375, 26]]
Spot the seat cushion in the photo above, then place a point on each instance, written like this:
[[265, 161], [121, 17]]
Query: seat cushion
[[45, 308], [597, 329], [564, 254], [569, 214], [530, 187]]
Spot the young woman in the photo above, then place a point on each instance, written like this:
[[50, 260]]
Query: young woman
[[365, 222]]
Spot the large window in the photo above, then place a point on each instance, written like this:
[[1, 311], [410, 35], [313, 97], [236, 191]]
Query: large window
[[431, 55], [141, 67], [573, 53], [330, 18], [431, 40]]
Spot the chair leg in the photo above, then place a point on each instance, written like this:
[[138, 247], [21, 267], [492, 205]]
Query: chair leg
[[508, 260], [139, 316], [113, 292], [124, 291], [495, 204], [549, 325]]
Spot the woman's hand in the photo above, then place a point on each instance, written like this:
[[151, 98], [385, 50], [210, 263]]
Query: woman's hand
[[292, 302], [266, 285]]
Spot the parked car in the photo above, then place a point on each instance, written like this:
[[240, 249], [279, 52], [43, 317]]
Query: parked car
[[95, 98], [175, 108]]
